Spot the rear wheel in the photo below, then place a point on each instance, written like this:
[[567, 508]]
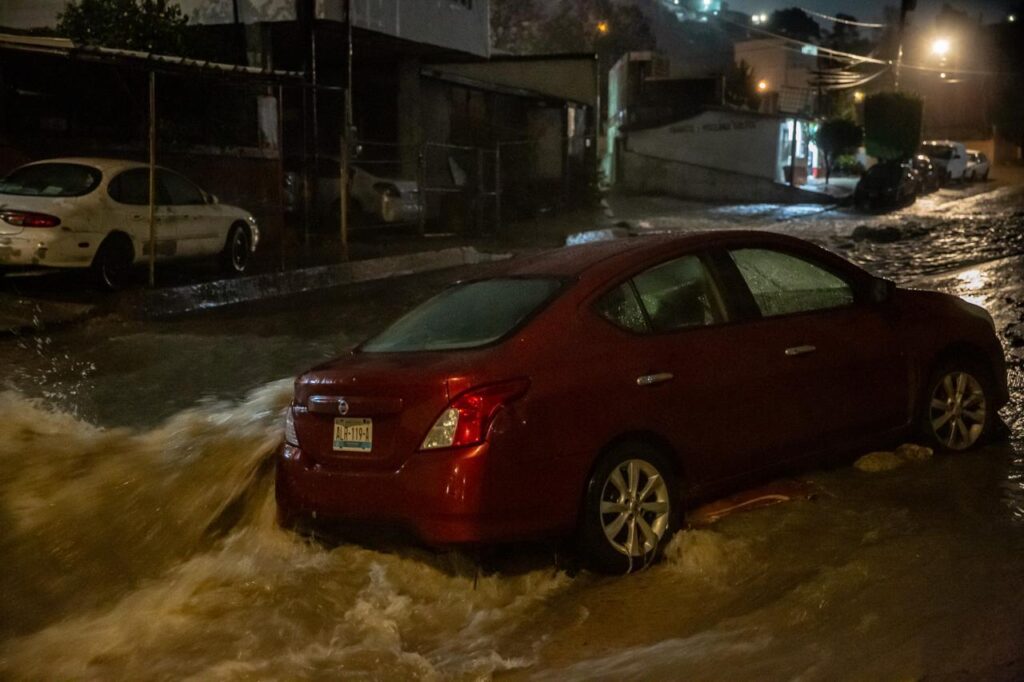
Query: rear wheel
[[112, 264], [631, 509], [237, 250], [958, 413]]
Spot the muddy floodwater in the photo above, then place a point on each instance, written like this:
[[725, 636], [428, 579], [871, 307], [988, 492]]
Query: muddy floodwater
[[138, 542]]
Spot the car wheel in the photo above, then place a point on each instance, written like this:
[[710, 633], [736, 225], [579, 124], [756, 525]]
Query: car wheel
[[631, 509], [112, 264], [237, 250], [957, 412]]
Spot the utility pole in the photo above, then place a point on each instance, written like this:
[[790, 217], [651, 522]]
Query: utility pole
[[346, 137], [905, 6]]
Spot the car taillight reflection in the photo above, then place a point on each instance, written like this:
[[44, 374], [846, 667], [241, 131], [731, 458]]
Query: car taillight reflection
[[29, 219], [468, 418]]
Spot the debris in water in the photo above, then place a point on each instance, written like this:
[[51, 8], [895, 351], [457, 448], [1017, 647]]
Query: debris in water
[[764, 496], [885, 460]]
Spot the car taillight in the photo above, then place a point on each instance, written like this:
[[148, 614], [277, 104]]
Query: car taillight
[[468, 418], [29, 219], [290, 437]]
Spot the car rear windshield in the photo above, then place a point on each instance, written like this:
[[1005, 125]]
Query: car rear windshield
[[466, 315], [51, 180], [938, 151]]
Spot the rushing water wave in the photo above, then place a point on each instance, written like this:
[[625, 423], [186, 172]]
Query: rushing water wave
[[155, 555]]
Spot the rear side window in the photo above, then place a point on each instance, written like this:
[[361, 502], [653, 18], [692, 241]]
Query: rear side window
[[677, 294], [130, 187], [466, 315], [51, 180], [621, 307], [782, 284]]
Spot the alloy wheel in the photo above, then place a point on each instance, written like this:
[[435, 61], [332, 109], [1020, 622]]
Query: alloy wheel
[[239, 250], [957, 412], [635, 507]]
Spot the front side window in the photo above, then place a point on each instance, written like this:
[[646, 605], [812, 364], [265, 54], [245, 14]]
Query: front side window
[[178, 190], [466, 315], [51, 180], [678, 294], [782, 284]]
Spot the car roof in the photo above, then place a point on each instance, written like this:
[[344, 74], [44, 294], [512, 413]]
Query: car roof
[[103, 164], [574, 261]]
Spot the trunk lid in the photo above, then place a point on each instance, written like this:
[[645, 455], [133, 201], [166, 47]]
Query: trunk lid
[[401, 394]]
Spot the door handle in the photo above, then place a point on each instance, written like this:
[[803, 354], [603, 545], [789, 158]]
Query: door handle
[[651, 379], [800, 350]]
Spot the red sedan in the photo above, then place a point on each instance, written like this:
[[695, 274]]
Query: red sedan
[[594, 391]]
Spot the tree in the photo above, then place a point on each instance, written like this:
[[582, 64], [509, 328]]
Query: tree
[[835, 137], [794, 23], [516, 26], [741, 86], [892, 125], [144, 25]]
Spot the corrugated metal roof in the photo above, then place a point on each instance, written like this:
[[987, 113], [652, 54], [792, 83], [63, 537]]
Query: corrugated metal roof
[[66, 48]]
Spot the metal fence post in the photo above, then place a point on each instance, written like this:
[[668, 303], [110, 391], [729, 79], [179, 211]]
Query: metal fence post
[[497, 187], [421, 182], [152, 178]]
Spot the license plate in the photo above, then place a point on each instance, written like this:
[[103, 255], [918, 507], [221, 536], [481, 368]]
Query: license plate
[[353, 435]]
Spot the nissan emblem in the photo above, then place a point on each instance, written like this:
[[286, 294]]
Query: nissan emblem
[[342, 406]]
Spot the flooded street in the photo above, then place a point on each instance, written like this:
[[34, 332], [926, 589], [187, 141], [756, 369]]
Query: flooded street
[[138, 539]]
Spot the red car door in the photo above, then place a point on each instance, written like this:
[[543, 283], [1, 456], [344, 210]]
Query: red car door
[[682, 368], [836, 359]]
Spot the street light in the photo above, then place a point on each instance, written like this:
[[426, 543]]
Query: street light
[[602, 27], [858, 96], [941, 46], [762, 85]]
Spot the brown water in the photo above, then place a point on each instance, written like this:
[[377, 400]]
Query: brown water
[[137, 538]]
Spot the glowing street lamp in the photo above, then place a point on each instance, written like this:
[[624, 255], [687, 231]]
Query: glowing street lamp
[[762, 86], [858, 96], [602, 27], [941, 47]]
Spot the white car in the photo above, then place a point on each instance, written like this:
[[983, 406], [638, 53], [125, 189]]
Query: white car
[[977, 165], [949, 156], [94, 213], [375, 199]]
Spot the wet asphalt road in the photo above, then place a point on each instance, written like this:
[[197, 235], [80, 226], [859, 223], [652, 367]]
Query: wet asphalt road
[[139, 543]]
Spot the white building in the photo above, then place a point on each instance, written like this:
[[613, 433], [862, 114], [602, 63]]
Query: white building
[[786, 69]]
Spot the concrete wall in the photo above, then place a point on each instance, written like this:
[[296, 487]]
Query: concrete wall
[[645, 175], [728, 141]]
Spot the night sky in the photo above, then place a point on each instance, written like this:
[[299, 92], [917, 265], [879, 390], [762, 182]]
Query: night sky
[[871, 10]]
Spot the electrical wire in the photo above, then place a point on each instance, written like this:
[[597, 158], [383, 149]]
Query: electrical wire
[[863, 59], [849, 22]]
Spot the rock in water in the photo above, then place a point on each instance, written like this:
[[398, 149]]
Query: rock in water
[[914, 453], [879, 461]]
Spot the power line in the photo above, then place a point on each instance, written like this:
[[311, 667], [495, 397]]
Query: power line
[[838, 20]]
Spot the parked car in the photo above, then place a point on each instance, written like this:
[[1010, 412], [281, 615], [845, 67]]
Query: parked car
[[93, 213], [977, 165], [375, 199], [949, 156], [929, 177], [886, 185], [595, 391]]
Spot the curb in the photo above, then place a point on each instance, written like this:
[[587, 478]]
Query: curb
[[209, 295]]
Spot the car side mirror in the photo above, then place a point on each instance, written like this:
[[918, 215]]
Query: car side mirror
[[214, 199], [880, 290]]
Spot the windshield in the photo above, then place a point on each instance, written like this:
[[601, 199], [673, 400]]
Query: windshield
[[466, 316], [51, 180], [937, 151]]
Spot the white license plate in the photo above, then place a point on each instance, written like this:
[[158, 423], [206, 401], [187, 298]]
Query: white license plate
[[353, 435]]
